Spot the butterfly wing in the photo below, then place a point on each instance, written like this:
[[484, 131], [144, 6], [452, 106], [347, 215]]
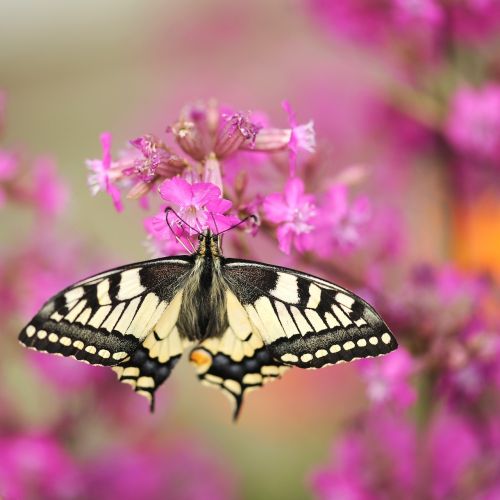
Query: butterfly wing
[[124, 317], [237, 362], [306, 321]]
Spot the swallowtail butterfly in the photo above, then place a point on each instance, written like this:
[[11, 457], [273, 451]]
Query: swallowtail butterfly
[[245, 322]]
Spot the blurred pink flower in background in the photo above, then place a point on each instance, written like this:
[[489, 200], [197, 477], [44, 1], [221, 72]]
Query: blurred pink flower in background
[[389, 381], [49, 192], [8, 167], [364, 464], [473, 125], [340, 224], [36, 466], [293, 210], [103, 175], [385, 456], [181, 471]]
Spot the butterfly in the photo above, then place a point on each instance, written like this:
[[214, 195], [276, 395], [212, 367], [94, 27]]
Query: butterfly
[[244, 322]]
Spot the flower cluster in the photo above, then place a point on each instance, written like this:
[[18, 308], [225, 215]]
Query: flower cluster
[[200, 180], [429, 429], [422, 27]]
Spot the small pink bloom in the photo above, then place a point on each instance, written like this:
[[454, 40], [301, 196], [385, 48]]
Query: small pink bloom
[[162, 239], [236, 131], [410, 11], [301, 137], [388, 380], [50, 193], [102, 177], [341, 222], [9, 163], [63, 373], [36, 466], [473, 125], [156, 159], [475, 20], [200, 204], [293, 211]]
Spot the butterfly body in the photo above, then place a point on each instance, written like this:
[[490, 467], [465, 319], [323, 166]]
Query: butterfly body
[[245, 322], [203, 311]]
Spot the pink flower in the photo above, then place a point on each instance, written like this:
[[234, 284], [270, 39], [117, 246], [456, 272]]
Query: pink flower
[[103, 177], [163, 240], [35, 466], [156, 160], [367, 21], [200, 205], [236, 131], [301, 137], [340, 223], [473, 125], [64, 374], [9, 164], [178, 471], [293, 211], [388, 380], [50, 193], [427, 11], [475, 20], [376, 459], [385, 457]]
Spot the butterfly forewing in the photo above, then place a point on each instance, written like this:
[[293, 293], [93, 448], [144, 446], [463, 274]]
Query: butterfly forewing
[[306, 321], [125, 317]]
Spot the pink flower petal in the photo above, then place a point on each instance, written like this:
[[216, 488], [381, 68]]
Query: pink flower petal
[[294, 189], [115, 194], [203, 192], [106, 149], [275, 208], [219, 205], [176, 191], [285, 235], [219, 222]]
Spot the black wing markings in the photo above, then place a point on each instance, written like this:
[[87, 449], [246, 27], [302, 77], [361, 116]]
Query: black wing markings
[[133, 355], [342, 333]]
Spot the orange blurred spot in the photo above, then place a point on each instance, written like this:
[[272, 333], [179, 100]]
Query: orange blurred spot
[[477, 235], [200, 358]]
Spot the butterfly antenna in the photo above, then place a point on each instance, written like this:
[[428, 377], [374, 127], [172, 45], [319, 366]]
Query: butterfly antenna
[[170, 209], [242, 221], [177, 238], [215, 224]]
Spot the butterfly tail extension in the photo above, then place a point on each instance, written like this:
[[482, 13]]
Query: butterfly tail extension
[[233, 368], [152, 363]]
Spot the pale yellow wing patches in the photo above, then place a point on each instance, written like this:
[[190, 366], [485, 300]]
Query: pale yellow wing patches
[[157, 354], [237, 316]]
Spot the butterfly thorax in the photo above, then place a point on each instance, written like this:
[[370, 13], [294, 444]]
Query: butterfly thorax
[[203, 311]]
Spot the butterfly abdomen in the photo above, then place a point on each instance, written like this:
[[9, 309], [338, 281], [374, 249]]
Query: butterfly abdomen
[[203, 312]]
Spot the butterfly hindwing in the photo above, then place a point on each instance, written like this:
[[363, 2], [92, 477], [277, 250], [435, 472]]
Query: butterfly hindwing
[[306, 321], [152, 362], [124, 317], [235, 366]]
